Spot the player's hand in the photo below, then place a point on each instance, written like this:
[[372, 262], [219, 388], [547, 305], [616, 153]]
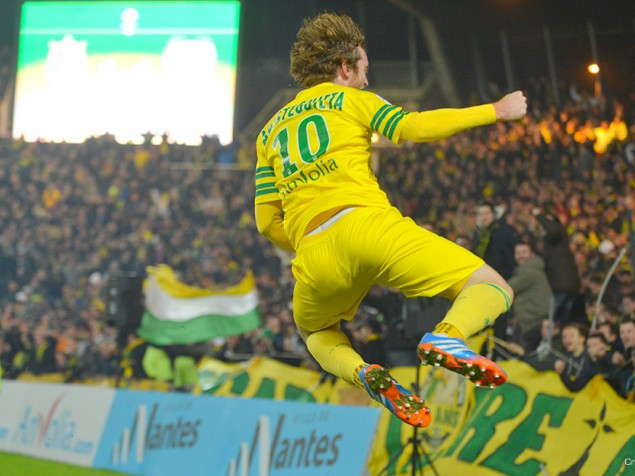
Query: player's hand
[[511, 107]]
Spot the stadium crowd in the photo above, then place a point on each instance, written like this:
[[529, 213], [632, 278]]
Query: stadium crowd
[[75, 215]]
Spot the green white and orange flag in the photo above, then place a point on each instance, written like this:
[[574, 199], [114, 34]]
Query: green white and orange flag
[[176, 313]]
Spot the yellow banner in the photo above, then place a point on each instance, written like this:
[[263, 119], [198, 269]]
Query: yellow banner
[[263, 378], [533, 425]]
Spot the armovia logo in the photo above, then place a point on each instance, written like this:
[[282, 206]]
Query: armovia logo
[[152, 435], [54, 430], [306, 451]]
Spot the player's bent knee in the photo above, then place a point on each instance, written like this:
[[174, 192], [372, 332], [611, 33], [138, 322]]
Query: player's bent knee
[[304, 333], [487, 274]]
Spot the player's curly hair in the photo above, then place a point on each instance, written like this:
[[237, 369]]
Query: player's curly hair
[[324, 43]]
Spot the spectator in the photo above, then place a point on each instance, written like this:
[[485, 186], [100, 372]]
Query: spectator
[[236, 348], [67, 361], [291, 342], [560, 265], [20, 352], [575, 367], [6, 366], [43, 361], [399, 336], [369, 341], [8, 270], [598, 350], [628, 306], [271, 335], [532, 295], [605, 360], [611, 333], [626, 368], [494, 240], [102, 359], [549, 349], [132, 357]]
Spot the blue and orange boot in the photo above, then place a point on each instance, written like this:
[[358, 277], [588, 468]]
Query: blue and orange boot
[[452, 354], [406, 406]]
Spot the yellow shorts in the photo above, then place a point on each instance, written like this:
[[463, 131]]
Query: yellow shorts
[[334, 269]]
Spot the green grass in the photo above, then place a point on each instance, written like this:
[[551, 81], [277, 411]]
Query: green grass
[[18, 465]]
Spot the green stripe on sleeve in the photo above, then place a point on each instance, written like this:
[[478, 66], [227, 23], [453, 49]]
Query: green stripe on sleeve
[[262, 175], [394, 125], [260, 186], [266, 191], [264, 169], [390, 122], [380, 114], [379, 111]]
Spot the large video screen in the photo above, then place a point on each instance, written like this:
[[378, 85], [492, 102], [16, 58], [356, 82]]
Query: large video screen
[[126, 68]]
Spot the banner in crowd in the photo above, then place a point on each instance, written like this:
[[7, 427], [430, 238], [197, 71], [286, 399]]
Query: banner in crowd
[[534, 425], [177, 313], [265, 378], [531, 425]]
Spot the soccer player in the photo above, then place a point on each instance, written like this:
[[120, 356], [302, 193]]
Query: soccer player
[[317, 195]]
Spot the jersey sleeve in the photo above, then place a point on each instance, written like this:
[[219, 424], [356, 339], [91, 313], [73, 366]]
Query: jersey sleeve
[[398, 125], [441, 123], [266, 189]]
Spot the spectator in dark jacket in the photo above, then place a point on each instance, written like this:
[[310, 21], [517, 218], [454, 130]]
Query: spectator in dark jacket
[[576, 367], [370, 342], [494, 240], [560, 265], [611, 333], [602, 357], [44, 352]]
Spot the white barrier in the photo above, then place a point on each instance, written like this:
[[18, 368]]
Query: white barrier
[[53, 421]]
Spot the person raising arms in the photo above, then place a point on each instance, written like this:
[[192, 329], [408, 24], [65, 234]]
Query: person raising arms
[[317, 195]]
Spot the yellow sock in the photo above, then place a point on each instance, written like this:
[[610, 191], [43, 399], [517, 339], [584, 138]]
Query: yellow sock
[[333, 351], [448, 330], [475, 308]]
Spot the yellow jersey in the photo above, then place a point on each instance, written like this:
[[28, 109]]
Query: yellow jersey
[[314, 154]]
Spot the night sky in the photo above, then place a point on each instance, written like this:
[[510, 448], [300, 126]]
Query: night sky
[[269, 27]]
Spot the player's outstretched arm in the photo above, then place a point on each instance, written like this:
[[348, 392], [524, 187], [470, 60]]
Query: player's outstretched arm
[[441, 123], [511, 107]]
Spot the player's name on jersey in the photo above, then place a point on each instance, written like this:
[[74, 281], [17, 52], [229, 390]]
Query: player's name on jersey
[[334, 100], [319, 170]]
